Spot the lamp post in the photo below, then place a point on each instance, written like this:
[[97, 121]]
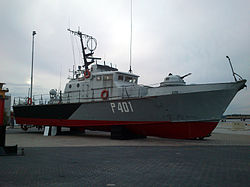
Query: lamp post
[[32, 60]]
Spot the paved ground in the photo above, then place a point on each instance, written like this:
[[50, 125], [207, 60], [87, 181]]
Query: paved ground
[[95, 160], [34, 138]]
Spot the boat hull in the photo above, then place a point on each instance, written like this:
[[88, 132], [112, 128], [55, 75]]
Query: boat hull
[[182, 115]]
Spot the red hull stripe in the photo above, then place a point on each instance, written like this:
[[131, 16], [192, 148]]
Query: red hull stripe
[[80, 123], [149, 128]]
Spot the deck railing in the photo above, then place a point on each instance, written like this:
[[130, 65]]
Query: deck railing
[[84, 96]]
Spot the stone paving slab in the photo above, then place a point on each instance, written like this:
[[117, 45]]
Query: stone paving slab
[[128, 166], [93, 159]]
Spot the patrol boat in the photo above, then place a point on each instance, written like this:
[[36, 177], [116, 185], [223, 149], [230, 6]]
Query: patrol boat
[[102, 98]]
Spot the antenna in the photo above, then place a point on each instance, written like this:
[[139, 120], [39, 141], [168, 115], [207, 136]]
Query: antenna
[[131, 24], [72, 45], [60, 82], [28, 92], [74, 65]]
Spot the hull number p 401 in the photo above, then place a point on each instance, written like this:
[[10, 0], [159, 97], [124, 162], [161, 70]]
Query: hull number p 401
[[121, 107]]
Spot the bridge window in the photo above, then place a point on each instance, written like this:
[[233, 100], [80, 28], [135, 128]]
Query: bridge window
[[128, 79], [98, 77], [131, 79], [107, 77], [120, 77]]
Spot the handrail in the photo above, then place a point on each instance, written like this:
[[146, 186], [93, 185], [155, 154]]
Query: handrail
[[78, 96]]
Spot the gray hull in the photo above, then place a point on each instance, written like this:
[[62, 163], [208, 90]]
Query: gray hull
[[195, 106]]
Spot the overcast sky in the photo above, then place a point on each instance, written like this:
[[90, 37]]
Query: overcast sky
[[177, 36]]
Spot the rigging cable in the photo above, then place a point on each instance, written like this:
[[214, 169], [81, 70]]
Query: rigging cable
[[72, 44], [79, 51]]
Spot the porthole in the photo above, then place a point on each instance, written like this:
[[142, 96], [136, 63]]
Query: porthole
[[78, 85], [70, 86]]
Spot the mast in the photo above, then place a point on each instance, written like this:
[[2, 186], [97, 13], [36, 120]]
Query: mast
[[83, 51], [90, 48]]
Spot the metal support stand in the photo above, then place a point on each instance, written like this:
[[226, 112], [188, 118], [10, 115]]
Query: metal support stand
[[50, 131], [120, 132]]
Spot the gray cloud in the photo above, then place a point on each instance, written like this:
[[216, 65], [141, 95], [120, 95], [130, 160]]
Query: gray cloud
[[168, 36]]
